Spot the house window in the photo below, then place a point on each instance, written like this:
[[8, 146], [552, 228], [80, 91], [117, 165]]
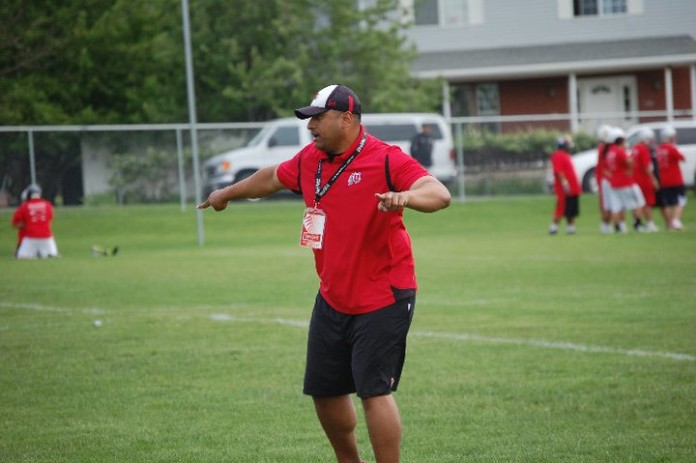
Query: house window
[[613, 6], [599, 7], [441, 12], [426, 13], [477, 100], [488, 99], [454, 12]]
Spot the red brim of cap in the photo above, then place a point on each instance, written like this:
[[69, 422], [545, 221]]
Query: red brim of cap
[[309, 111]]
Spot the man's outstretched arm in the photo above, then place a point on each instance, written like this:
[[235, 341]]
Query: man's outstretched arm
[[264, 182]]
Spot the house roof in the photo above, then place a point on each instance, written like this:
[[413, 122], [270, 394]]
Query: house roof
[[559, 59]]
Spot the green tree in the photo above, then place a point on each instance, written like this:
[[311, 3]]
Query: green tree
[[99, 61], [272, 56], [81, 62], [89, 61], [119, 61]]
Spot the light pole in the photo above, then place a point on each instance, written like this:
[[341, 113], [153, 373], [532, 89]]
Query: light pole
[[192, 119]]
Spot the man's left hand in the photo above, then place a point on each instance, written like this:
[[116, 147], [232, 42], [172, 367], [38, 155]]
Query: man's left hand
[[392, 201]]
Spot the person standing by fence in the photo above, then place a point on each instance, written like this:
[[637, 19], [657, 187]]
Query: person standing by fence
[[566, 187], [672, 187], [422, 146]]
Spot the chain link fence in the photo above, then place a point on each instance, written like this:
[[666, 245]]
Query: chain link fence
[[124, 164], [135, 164]]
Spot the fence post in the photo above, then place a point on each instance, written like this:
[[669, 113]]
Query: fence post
[[573, 103], [692, 86], [669, 96], [460, 161], [32, 156], [182, 182]]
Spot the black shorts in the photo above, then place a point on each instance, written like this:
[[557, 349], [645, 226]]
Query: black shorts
[[659, 202], [356, 353], [572, 207], [672, 195]]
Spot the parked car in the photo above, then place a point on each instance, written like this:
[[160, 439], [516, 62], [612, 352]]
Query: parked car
[[282, 138], [586, 161]]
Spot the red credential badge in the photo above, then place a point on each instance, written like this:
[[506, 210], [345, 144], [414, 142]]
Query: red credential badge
[[313, 222]]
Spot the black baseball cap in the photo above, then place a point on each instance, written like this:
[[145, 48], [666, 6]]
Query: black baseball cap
[[338, 97]]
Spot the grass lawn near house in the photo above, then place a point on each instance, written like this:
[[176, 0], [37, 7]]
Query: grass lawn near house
[[524, 347]]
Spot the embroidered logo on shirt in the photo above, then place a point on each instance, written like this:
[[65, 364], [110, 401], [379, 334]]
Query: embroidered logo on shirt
[[354, 178]]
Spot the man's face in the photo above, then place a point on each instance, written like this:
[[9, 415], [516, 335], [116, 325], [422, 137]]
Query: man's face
[[328, 131]]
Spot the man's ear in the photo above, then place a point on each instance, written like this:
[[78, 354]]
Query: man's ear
[[347, 118]]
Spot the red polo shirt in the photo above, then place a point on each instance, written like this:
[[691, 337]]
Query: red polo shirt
[[668, 159], [562, 163], [642, 163], [366, 254]]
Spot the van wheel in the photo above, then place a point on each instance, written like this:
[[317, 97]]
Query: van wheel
[[589, 182], [244, 175]]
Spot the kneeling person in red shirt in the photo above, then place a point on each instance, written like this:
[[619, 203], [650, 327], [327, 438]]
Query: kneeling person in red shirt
[[33, 218]]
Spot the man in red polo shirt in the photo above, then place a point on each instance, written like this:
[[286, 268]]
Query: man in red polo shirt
[[355, 188]]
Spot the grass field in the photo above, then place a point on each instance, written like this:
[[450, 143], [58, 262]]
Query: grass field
[[524, 347]]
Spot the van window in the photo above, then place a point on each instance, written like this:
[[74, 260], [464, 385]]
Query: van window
[[286, 136], [400, 132], [392, 132], [686, 136], [259, 136]]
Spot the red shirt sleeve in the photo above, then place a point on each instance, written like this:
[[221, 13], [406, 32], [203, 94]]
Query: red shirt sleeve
[[289, 172], [403, 169], [18, 218], [676, 154]]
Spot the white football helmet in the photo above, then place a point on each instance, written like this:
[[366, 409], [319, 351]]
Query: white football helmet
[[616, 134], [603, 133], [668, 133], [646, 134]]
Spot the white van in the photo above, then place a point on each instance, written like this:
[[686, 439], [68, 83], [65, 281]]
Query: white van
[[282, 138]]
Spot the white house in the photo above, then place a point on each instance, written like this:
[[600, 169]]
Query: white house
[[572, 63]]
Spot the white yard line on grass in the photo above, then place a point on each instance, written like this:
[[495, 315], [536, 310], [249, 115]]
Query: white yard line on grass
[[554, 345], [568, 346], [47, 308], [36, 307], [488, 339]]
